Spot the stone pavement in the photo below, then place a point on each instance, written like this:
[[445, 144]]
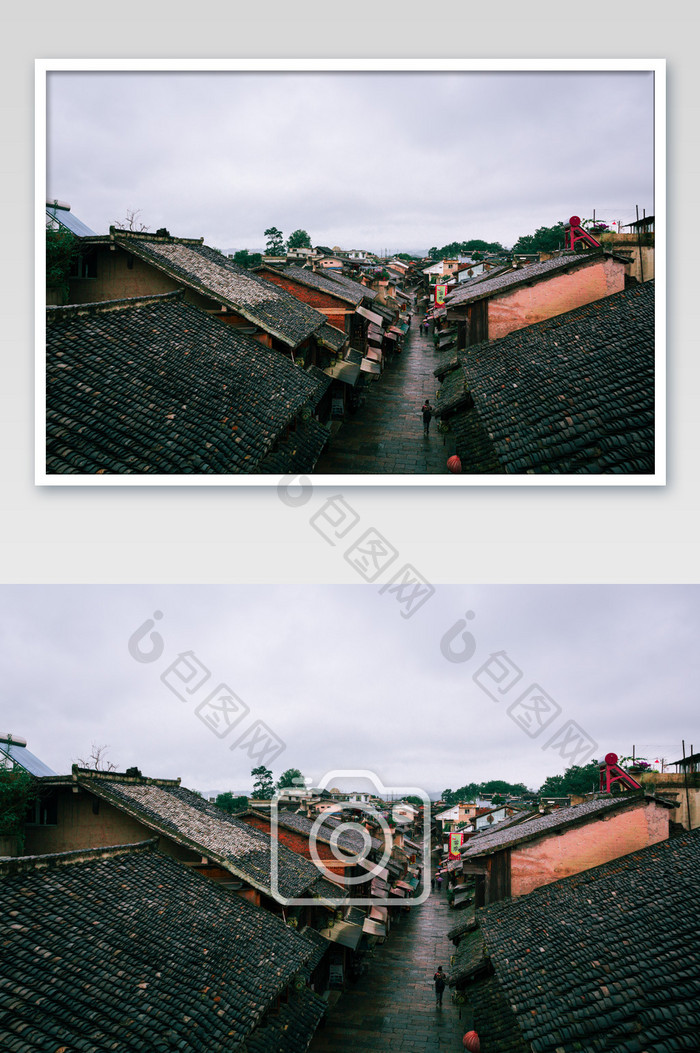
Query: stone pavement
[[385, 435], [392, 1007]]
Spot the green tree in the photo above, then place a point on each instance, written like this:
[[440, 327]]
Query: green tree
[[299, 239], [275, 242], [477, 245], [576, 779], [231, 804], [263, 785], [290, 777], [62, 250], [247, 259], [545, 239], [17, 791]]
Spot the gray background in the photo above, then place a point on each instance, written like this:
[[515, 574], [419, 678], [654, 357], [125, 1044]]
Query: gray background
[[248, 534]]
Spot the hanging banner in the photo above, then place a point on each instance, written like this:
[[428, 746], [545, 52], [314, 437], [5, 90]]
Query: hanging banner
[[440, 293], [454, 845]]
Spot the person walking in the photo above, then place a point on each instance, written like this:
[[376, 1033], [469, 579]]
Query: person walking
[[439, 882], [427, 411], [439, 979]]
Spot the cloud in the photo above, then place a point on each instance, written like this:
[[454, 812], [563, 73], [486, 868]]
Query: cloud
[[343, 680], [360, 159]]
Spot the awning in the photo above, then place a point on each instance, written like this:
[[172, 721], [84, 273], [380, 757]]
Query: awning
[[376, 318], [368, 366], [397, 892], [379, 888], [347, 372], [411, 844], [375, 354], [454, 864], [462, 893], [375, 334], [379, 913], [405, 885], [345, 933], [391, 336], [374, 869], [373, 928]]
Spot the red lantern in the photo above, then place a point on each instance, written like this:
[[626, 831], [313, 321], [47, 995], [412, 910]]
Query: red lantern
[[454, 464], [471, 1042]]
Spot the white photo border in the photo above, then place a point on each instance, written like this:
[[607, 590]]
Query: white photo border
[[656, 66]]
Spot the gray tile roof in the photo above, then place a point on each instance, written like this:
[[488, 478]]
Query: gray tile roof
[[349, 840], [291, 1028], [354, 287], [453, 394], [483, 286], [605, 960], [331, 337], [193, 822], [126, 949], [156, 385], [299, 452], [343, 291], [469, 958], [501, 836], [464, 925], [210, 272], [571, 395]]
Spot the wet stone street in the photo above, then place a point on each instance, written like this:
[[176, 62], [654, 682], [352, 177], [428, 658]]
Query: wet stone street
[[385, 435], [392, 1007]]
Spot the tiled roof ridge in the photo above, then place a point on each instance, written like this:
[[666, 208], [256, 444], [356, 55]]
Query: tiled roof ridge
[[134, 808], [12, 865], [74, 310], [315, 280], [557, 321], [250, 310], [533, 273], [524, 831], [146, 235], [120, 776]]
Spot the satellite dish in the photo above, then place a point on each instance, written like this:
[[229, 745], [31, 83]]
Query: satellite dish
[[611, 758]]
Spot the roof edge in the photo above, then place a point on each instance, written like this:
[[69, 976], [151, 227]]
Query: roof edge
[[626, 801], [11, 865], [54, 314]]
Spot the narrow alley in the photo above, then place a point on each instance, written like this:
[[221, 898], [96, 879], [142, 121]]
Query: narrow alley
[[385, 435], [392, 1007]]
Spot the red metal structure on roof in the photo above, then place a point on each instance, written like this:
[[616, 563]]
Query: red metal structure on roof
[[575, 233], [611, 772]]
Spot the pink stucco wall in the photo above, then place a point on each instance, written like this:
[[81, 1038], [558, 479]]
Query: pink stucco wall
[[556, 856], [526, 305]]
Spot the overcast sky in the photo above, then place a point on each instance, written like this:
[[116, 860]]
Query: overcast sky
[[344, 681], [397, 161]]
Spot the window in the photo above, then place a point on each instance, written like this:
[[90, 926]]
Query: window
[[44, 810]]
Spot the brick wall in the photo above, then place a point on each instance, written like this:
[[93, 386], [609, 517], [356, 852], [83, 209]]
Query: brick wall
[[299, 843], [334, 309]]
